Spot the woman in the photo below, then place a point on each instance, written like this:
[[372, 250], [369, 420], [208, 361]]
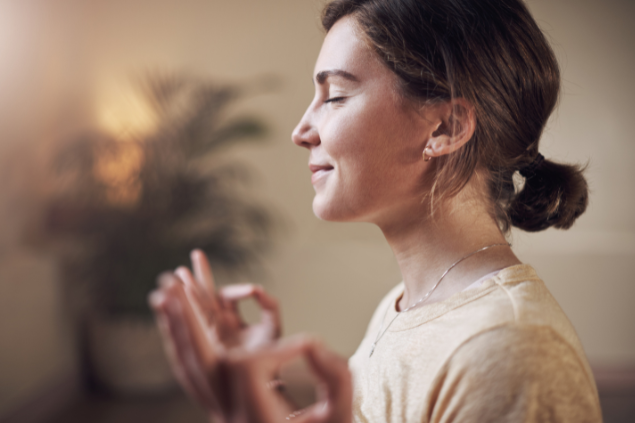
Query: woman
[[425, 114]]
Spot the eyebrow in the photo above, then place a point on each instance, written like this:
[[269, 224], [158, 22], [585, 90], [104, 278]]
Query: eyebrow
[[323, 75]]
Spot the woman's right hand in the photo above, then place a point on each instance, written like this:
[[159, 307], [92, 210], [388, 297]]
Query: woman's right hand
[[200, 325]]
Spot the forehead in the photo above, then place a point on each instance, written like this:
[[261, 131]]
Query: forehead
[[344, 48]]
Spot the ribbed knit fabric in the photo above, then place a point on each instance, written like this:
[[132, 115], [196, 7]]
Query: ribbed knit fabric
[[502, 352]]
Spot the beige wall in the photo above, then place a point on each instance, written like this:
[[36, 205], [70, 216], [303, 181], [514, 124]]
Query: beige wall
[[70, 60], [37, 345], [591, 268], [42, 84]]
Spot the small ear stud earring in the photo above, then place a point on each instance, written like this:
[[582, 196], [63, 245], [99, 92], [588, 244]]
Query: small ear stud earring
[[427, 154]]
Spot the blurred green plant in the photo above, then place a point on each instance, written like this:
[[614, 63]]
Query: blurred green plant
[[128, 209]]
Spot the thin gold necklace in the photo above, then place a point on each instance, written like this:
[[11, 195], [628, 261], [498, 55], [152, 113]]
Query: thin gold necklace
[[381, 333]]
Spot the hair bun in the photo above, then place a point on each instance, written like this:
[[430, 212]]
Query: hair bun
[[529, 171], [554, 195]]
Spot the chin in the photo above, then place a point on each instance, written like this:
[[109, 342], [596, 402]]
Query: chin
[[331, 211], [321, 211], [324, 209]]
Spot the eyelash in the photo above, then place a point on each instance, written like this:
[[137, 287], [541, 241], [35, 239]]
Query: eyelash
[[334, 100]]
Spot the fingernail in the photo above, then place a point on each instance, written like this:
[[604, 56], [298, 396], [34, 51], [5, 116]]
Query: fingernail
[[165, 279], [182, 273], [238, 290], [195, 254], [156, 299]]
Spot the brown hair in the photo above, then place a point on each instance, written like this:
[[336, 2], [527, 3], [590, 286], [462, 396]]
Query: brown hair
[[491, 53]]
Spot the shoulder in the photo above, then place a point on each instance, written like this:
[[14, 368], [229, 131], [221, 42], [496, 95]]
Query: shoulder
[[527, 350], [515, 372]]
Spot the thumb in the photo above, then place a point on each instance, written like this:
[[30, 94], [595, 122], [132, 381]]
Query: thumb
[[336, 394]]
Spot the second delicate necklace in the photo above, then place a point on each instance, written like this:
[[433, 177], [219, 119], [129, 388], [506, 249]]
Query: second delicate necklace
[[381, 333]]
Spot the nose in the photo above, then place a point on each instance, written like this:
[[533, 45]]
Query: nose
[[305, 133]]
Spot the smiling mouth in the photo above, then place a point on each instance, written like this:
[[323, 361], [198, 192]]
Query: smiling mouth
[[319, 171], [317, 168]]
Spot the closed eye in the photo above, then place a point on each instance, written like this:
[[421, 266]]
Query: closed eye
[[334, 100]]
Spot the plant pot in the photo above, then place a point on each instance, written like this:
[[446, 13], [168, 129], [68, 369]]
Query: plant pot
[[126, 357]]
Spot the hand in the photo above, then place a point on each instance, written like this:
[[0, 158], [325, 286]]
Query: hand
[[238, 389], [248, 374], [218, 312], [199, 326]]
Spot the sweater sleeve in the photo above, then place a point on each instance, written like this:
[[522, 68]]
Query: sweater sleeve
[[514, 373]]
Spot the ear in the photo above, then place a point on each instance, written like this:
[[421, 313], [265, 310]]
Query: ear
[[455, 122]]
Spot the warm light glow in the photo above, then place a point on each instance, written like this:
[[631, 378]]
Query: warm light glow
[[124, 114], [120, 170]]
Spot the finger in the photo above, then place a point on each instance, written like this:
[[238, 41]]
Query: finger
[[158, 302], [157, 299], [251, 372], [203, 311], [241, 291], [333, 371], [237, 292], [205, 303], [176, 297], [270, 314], [229, 297], [179, 372], [327, 364], [231, 294], [203, 271], [186, 276], [315, 413], [286, 350], [187, 353]]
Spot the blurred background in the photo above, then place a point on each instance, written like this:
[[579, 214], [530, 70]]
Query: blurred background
[[86, 86]]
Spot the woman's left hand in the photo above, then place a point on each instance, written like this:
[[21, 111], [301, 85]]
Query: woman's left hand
[[254, 401]]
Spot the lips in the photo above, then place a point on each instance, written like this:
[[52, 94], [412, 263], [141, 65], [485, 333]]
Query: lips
[[315, 168], [319, 171]]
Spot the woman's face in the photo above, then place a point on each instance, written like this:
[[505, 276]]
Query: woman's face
[[365, 142]]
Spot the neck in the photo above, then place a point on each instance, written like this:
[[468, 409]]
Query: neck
[[426, 248]]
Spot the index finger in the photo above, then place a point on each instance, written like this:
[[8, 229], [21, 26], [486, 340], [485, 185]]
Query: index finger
[[265, 363], [205, 302], [203, 271], [337, 389], [270, 310], [177, 304], [330, 368], [335, 402]]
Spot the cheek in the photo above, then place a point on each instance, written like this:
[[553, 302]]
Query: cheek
[[374, 148], [343, 134], [356, 133]]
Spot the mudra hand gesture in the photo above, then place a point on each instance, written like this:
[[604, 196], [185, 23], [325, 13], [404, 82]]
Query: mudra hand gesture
[[200, 325], [228, 366]]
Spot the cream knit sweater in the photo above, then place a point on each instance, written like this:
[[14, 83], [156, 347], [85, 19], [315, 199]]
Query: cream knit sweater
[[502, 352]]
